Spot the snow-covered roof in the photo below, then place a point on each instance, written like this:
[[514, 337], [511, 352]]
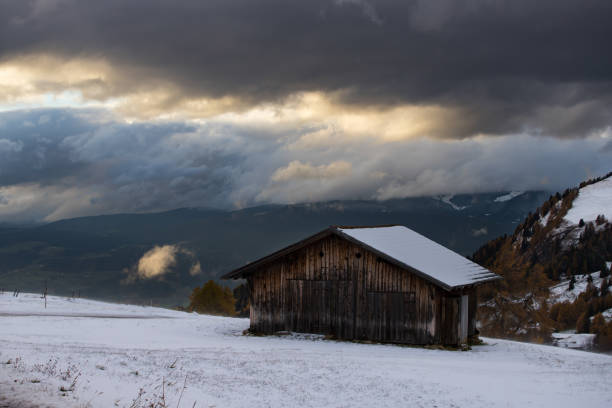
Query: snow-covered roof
[[401, 246], [434, 261]]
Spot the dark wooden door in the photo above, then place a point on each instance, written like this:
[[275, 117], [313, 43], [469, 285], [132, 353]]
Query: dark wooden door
[[392, 316], [322, 306]]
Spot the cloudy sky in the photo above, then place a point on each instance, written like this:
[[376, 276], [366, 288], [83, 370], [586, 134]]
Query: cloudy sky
[[144, 105]]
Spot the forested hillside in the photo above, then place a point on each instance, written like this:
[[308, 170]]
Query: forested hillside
[[568, 237]]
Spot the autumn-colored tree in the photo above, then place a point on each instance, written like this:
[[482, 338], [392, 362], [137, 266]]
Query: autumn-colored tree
[[516, 305], [598, 325], [565, 315], [603, 330], [212, 299], [520, 306], [583, 324]]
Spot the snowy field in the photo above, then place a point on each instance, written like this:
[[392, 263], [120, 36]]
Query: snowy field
[[94, 354]]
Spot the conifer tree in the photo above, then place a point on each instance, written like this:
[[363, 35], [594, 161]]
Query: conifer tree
[[604, 271]]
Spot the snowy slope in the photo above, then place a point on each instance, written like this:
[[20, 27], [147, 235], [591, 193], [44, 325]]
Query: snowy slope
[[592, 200], [560, 293], [114, 360]]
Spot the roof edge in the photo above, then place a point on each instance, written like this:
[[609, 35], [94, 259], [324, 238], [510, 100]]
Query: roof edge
[[366, 226], [245, 269], [239, 273]]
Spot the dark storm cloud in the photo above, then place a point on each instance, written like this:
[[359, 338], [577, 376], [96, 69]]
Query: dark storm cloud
[[115, 166], [30, 146], [508, 66], [61, 163]]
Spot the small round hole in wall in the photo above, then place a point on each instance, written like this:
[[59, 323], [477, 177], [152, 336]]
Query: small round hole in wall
[[358, 255], [321, 254]]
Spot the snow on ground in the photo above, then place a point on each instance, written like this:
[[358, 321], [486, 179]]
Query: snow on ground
[[592, 200], [544, 219], [571, 339], [560, 293], [34, 304], [508, 197], [108, 361]]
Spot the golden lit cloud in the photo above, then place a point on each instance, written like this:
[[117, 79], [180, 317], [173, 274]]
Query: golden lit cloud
[[40, 80], [160, 260], [33, 77], [139, 93], [298, 170], [157, 261], [45, 80]]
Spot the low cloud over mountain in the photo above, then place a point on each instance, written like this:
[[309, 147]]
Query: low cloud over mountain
[[63, 163]]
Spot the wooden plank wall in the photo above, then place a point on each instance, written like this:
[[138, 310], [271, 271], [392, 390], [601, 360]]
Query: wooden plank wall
[[473, 296], [336, 287]]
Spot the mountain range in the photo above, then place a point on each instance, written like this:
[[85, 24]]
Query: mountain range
[[161, 257]]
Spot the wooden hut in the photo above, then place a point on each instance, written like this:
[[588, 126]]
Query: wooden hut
[[385, 283]]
